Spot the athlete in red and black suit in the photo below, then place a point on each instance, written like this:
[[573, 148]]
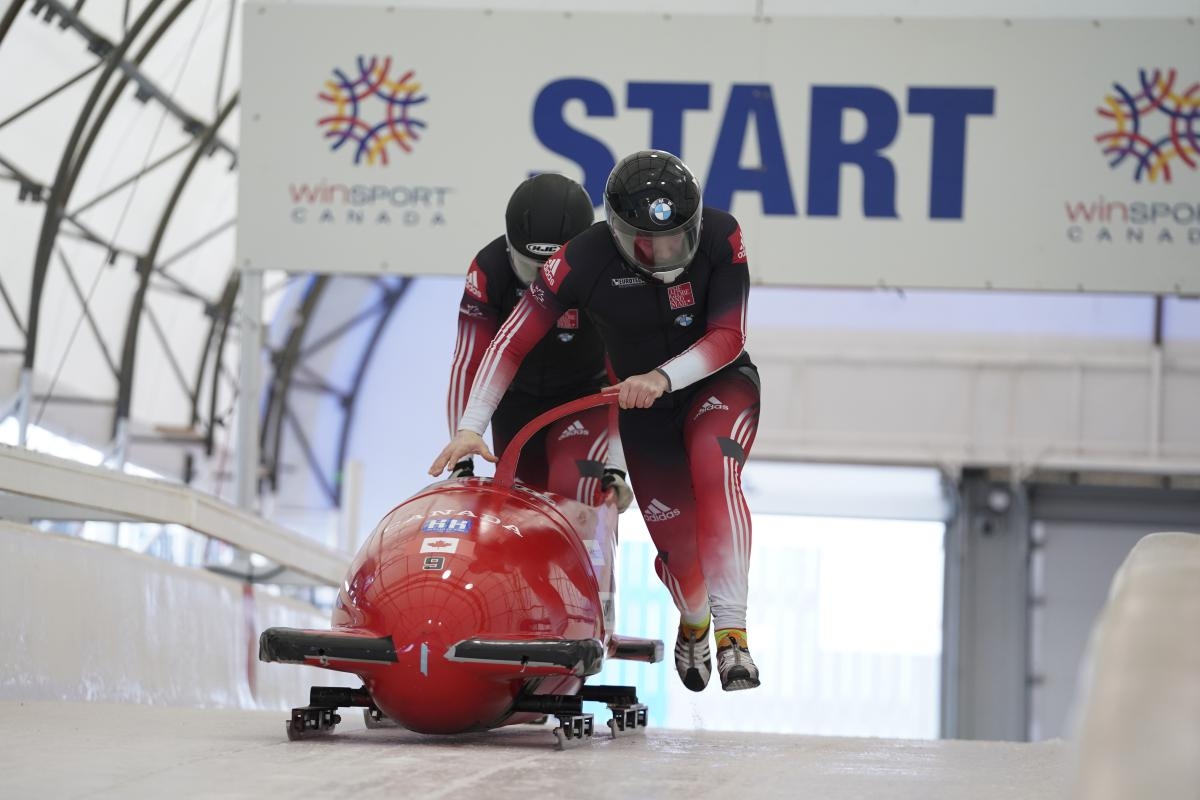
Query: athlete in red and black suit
[[569, 456], [666, 282]]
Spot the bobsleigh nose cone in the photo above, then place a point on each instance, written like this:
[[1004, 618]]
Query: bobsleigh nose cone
[[427, 693]]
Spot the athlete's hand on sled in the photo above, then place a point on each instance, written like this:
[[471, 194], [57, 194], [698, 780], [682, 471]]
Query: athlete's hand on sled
[[464, 444], [615, 479], [640, 391]]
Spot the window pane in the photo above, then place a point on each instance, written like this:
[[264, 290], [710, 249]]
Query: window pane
[[844, 623]]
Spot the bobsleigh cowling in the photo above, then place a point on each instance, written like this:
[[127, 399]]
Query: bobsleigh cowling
[[476, 603]]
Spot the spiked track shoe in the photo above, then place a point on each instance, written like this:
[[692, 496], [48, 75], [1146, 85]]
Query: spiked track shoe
[[735, 665], [693, 658]]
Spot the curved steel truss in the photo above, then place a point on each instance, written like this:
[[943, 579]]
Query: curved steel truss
[[293, 371], [202, 434]]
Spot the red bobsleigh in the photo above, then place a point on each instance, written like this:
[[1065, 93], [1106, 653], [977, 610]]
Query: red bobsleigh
[[474, 604]]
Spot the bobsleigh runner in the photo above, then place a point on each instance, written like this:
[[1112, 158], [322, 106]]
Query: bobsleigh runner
[[476, 603]]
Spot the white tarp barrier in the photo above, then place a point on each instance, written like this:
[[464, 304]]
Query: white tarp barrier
[[91, 622], [961, 154]]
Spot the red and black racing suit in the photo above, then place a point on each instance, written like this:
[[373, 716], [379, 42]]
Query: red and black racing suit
[[686, 452], [568, 456]]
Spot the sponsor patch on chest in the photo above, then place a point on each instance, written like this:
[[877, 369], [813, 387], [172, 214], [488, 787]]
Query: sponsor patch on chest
[[681, 295]]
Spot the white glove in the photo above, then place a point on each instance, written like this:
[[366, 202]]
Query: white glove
[[615, 479]]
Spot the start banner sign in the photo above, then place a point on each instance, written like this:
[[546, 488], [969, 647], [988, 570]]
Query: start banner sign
[[1045, 155]]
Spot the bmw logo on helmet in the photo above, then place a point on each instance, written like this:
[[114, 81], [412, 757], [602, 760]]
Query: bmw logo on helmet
[[661, 210]]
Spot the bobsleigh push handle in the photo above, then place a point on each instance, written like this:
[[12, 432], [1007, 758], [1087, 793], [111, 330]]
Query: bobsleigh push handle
[[506, 470]]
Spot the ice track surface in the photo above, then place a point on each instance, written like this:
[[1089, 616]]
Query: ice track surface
[[74, 750]]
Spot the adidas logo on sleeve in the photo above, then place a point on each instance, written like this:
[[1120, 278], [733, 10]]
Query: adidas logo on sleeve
[[476, 283], [658, 511]]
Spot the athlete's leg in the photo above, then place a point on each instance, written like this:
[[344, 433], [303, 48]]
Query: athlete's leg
[[658, 470], [511, 415], [576, 447], [718, 432]]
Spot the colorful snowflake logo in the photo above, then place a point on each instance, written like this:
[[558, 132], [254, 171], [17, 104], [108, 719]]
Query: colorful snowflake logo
[[1157, 125], [372, 111]]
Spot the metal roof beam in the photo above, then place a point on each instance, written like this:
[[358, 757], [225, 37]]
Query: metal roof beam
[[56, 90], [87, 314], [107, 193], [146, 88]]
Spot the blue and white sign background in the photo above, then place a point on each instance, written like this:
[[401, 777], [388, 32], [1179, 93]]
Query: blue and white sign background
[[1049, 155]]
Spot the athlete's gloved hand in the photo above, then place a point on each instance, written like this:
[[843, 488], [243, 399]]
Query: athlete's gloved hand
[[615, 479], [464, 468]]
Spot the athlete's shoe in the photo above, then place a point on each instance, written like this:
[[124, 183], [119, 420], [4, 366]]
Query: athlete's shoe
[[734, 662], [693, 659]]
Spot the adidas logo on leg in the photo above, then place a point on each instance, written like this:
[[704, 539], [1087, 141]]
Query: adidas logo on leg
[[574, 429], [658, 511], [713, 403]]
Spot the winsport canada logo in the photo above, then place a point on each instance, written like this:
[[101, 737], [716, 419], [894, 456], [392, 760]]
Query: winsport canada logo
[[1152, 137], [372, 113], [1154, 127]]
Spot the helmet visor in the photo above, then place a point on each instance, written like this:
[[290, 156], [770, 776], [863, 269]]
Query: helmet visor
[[657, 251]]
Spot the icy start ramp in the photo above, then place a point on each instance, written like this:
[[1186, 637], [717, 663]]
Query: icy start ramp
[[124, 751]]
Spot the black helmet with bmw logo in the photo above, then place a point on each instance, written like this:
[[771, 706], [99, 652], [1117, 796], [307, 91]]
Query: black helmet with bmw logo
[[652, 202], [543, 213]]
